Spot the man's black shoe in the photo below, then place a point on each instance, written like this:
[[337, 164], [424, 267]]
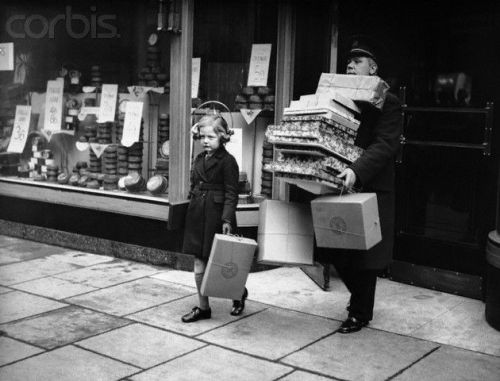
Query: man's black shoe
[[197, 314], [351, 324]]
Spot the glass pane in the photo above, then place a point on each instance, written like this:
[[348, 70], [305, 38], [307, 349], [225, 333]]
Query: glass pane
[[224, 33]]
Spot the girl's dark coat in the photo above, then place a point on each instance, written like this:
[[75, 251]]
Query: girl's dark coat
[[213, 200]]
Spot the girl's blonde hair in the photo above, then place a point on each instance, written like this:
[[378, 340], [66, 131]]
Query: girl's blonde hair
[[217, 122]]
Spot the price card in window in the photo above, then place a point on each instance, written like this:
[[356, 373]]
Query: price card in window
[[195, 76], [53, 107], [132, 123], [259, 65], [20, 130], [107, 107], [7, 56]]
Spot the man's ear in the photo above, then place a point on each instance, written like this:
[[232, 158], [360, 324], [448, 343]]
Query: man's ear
[[373, 68]]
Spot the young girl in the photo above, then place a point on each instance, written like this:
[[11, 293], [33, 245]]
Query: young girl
[[212, 206]]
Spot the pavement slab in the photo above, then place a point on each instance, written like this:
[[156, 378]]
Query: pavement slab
[[66, 364], [464, 326], [17, 305], [141, 345], [365, 355], [26, 250], [54, 288], [299, 375], [3, 290], [62, 326], [130, 297], [80, 258], [12, 350], [168, 315], [453, 364], [109, 274], [302, 294], [213, 363], [268, 333], [403, 308], [32, 269], [9, 241], [185, 278]]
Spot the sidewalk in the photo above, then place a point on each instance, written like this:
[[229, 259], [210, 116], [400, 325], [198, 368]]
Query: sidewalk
[[69, 315]]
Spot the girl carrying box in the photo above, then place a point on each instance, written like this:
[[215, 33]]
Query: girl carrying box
[[212, 207]]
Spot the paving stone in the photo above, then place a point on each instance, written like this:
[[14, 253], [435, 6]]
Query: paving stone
[[109, 274], [299, 375], [141, 345], [54, 287], [17, 305], [33, 269], [131, 297], [365, 355], [168, 315], [185, 278], [403, 308], [268, 333], [66, 364], [6, 240], [62, 326], [13, 350], [464, 326], [3, 290], [453, 364], [212, 363], [80, 258], [274, 287], [26, 250]]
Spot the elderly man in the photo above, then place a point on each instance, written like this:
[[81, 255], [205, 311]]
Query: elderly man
[[378, 135]]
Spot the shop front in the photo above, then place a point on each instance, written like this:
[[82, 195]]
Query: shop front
[[128, 80], [103, 156]]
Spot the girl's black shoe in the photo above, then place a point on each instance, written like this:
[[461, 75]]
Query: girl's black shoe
[[197, 314], [239, 305]]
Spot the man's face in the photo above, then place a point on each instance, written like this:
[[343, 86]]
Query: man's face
[[360, 66]]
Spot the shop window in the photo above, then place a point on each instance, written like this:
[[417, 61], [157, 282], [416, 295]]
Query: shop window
[[85, 47]]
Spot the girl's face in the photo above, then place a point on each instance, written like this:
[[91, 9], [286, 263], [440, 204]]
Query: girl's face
[[209, 139]]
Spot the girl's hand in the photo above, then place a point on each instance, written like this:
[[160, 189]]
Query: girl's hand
[[226, 228]]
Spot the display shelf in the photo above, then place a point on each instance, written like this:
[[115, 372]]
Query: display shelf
[[120, 202]]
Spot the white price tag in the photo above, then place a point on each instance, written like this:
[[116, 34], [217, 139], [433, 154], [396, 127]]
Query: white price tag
[[250, 115], [7, 56], [53, 106], [98, 148], [132, 123], [259, 65], [107, 107], [20, 130], [195, 76]]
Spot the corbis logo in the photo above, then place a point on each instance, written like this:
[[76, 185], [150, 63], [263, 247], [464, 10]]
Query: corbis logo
[[76, 25]]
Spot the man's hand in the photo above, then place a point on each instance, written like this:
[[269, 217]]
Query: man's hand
[[226, 228], [349, 177]]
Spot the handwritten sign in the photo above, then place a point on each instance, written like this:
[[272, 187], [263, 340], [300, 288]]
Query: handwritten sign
[[259, 64], [53, 107], [195, 76], [107, 108], [7, 56], [132, 123], [20, 130]]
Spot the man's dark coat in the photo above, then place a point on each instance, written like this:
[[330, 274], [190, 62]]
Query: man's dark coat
[[379, 136]]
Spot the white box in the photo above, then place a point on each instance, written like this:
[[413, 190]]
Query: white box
[[228, 266], [347, 222], [285, 234]]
